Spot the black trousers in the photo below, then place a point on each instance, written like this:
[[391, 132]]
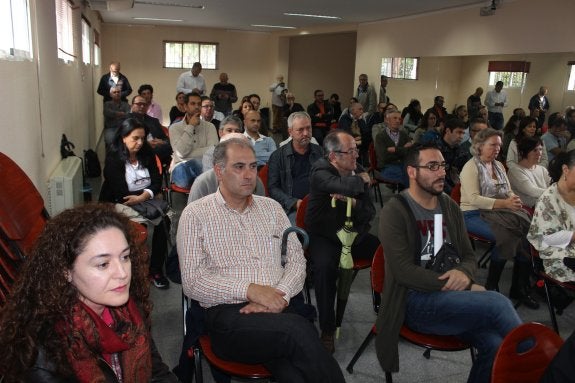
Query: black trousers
[[324, 254], [286, 343], [159, 247]]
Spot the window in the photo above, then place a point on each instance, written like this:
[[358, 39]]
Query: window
[[400, 67], [85, 41], [512, 73], [15, 40], [179, 54], [97, 53], [65, 30], [571, 82]]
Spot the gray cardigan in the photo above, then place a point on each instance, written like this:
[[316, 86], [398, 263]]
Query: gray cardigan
[[400, 242]]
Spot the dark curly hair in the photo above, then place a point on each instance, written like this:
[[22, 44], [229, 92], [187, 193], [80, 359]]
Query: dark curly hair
[[42, 296]]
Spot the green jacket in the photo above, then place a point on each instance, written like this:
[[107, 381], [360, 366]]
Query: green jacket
[[400, 240]]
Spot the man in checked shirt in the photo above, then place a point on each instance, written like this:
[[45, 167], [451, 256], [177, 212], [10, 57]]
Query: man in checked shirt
[[229, 252]]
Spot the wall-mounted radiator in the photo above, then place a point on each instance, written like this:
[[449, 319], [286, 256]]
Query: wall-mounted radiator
[[65, 186]]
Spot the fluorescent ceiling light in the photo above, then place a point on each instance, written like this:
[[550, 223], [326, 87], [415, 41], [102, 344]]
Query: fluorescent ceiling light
[[154, 19], [272, 26], [316, 16]]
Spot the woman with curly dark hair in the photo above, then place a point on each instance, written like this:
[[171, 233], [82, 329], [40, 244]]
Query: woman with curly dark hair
[[80, 311]]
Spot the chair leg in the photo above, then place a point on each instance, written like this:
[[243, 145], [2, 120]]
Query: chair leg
[[360, 350], [198, 365], [427, 353], [550, 307], [388, 378]]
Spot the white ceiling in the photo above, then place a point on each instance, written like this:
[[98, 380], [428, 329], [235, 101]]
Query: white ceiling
[[242, 14]]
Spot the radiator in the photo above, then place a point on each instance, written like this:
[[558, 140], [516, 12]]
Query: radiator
[[65, 186]]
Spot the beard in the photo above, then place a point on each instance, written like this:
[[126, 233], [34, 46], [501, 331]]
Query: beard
[[432, 188]]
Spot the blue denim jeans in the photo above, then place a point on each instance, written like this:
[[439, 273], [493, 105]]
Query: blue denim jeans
[[397, 173], [480, 318], [476, 225], [184, 174]]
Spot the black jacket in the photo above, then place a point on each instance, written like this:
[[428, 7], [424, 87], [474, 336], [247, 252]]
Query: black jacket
[[115, 187], [321, 218], [44, 371], [104, 87]]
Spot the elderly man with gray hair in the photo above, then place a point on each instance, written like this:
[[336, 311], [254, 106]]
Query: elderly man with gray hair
[[290, 165], [230, 124]]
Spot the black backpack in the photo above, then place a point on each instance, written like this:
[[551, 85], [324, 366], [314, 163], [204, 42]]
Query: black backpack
[[92, 164]]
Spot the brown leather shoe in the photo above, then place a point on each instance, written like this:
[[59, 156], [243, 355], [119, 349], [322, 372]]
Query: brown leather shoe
[[327, 341]]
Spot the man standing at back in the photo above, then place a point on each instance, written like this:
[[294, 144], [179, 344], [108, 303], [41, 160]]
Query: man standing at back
[[192, 81], [539, 106], [496, 100], [114, 79], [366, 95], [448, 303], [290, 165], [229, 247]]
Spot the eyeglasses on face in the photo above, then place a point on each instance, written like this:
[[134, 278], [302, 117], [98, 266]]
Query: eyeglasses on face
[[433, 166], [140, 103]]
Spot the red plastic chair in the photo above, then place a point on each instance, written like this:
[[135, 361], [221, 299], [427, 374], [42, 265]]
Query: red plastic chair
[[233, 369], [456, 196], [263, 174], [512, 366], [429, 342]]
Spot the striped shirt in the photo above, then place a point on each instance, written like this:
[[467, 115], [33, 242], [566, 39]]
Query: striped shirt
[[222, 251]]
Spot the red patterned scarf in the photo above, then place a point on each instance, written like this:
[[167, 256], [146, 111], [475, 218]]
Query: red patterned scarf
[[89, 338]]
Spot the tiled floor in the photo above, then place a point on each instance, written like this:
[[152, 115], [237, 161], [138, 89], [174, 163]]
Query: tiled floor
[[359, 317]]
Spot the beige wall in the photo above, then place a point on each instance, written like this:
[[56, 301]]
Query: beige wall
[[250, 59], [448, 42], [324, 62], [44, 98]]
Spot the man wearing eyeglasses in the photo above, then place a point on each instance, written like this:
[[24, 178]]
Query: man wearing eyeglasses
[[449, 303], [155, 133], [337, 175], [209, 114]]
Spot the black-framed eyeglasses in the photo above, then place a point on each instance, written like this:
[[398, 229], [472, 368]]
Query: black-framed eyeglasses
[[350, 151], [433, 166]]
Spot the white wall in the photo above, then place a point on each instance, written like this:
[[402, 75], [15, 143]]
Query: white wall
[[43, 98]]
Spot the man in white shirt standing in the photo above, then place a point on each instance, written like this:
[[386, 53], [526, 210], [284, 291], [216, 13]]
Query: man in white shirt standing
[[496, 100], [192, 81]]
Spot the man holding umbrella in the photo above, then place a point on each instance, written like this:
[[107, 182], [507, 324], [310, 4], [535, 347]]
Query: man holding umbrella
[[338, 176]]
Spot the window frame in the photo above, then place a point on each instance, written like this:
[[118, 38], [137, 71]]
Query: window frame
[[506, 71], [19, 37], [65, 30], [86, 43], [205, 65], [396, 62]]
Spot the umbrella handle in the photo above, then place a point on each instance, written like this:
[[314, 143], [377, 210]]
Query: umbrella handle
[[297, 230], [349, 203]]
